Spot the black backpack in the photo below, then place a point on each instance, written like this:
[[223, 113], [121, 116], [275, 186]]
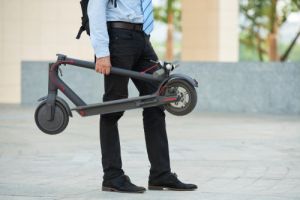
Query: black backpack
[[85, 19]]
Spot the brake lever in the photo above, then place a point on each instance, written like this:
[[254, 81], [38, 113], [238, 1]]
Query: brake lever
[[158, 62], [60, 71]]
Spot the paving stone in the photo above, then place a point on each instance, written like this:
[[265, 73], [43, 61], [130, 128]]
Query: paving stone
[[229, 156]]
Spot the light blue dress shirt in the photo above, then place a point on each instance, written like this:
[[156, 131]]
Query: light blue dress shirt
[[101, 11]]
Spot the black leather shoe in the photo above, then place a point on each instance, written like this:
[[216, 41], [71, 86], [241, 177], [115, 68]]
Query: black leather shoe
[[170, 182], [121, 184]]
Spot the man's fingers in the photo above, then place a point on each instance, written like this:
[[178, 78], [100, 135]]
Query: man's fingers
[[103, 65], [107, 71], [103, 70], [98, 68]]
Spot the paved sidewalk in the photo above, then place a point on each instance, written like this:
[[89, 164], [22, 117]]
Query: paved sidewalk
[[228, 156]]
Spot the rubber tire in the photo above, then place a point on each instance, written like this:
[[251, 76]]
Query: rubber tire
[[192, 101], [60, 112]]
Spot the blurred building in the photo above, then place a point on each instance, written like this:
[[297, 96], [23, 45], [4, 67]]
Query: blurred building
[[38, 29], [210, 30]]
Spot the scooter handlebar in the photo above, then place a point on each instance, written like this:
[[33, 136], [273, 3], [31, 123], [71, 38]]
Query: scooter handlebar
[[114, 69]]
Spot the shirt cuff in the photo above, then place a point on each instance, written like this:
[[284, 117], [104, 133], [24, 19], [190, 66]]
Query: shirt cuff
[[101, 51]]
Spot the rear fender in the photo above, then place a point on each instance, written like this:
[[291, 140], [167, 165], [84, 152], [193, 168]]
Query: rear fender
[[183, 77]]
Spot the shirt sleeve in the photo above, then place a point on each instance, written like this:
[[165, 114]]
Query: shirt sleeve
[[98, 27]]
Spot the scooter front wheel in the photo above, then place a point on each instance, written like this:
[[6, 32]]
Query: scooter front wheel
[[57, 124], [187, 97]]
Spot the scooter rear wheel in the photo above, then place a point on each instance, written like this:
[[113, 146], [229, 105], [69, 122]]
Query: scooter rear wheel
[[187, 97], [55, 126]]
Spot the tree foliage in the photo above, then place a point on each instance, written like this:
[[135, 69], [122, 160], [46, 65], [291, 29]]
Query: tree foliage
[[169, 6], [261, 20], [169, 13]]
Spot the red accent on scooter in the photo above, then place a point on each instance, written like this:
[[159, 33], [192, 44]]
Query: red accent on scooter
[[170, 99], [82, 112], [53, 79], [148, 69]]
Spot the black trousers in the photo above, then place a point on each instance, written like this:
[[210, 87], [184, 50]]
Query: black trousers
[[132, 50]]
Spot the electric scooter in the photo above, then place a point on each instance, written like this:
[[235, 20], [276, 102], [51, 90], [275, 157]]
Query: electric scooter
[[176, 93]]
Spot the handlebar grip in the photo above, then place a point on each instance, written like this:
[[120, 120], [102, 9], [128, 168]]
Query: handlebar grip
[[83, 63]]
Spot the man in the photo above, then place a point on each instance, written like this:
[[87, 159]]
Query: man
[[120, 32]]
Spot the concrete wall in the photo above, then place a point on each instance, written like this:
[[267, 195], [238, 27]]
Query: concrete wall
[[272, 88], [86, 83], [223, 87]]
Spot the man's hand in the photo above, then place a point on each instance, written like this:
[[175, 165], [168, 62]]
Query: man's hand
[[103, 65]]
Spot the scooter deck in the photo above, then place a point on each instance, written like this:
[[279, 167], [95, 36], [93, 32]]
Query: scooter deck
[[124, 104]]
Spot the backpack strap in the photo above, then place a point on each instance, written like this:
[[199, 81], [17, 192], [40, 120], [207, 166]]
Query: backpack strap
[[85, 18], [81, 29]]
